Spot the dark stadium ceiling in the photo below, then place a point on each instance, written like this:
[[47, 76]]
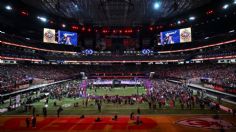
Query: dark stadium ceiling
[[116, 12]]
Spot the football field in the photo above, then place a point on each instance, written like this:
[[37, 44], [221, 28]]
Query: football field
[[121, 91], [107, 108], [161, 119]]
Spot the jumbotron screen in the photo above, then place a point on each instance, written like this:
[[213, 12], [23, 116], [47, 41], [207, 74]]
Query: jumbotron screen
[[68, 38], [49, 35], [62, 37], [176, 36]]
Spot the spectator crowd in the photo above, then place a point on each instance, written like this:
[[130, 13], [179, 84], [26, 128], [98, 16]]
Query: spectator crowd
[[13, 75]]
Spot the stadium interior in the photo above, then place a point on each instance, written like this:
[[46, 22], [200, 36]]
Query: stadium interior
[[117, 65]]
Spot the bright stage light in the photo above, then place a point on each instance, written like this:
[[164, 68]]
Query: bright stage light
[[2, 32], [231, 31], [43, 19], [192, 18], [8, 7], [206, 38], [157, 5], [225, 6], [63, 25]]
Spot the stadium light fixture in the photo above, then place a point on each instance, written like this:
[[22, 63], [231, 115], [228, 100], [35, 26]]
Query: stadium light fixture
[[63, 25], [192, 18], [75, 6], [206, 37], [43, 19], [232, 31], [2, 32], [234, 1], [226, 6], [157, 5], [8, 7]]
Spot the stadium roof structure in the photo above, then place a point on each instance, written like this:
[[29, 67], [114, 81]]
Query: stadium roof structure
[[141, 20], [117, 12]]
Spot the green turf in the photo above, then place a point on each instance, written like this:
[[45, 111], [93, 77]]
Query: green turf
[[107, 109], [117, 91], [5, 105]]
